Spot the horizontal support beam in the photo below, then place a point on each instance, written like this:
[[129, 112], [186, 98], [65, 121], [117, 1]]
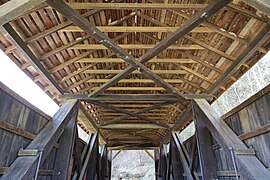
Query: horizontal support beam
[[135, 72], [120, 60], [176, 81], [134, 6], [136, 29], [130, 97], [136, 46], [131, 126], [134, 89]]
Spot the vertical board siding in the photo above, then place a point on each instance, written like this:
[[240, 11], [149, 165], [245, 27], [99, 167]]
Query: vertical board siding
[[18, 114], [253, 115]]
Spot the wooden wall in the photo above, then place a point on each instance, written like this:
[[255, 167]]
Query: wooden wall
[[19, 123], [251, 122]]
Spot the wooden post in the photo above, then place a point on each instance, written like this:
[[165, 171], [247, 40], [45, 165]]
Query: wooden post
[[109, 164], [103, 161], [163, 162], [248, 164], [24, 166], [64, 152], [177, 168], [157, 164], [205, 150]]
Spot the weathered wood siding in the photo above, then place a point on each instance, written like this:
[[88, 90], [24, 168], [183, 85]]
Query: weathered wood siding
[[19, 123], [251, 122]]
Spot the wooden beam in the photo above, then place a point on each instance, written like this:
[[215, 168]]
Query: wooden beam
[[172, 38], [93, 123], [15, 8], [261, 5], [173, 81], [112, 71], [219, 30], [132, 126], [64, 153], [149, 154], [132, 97], [184, 162], [24, 166], [185, 54], [127, 112], [126, 97], [103, 162], [205, 150], [82, 55], [80, 39], [136, 46], [62, 25], [89, 159], [120, 60], [9, 32], [243, 57], [248, 164], [138, 6], [107, 42], [136, 29], [117, 119]]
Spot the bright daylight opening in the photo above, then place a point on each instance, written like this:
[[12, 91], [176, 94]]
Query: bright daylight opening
[[13, 77], [133, 164]]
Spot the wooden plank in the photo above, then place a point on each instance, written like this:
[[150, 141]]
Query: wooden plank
[[23, 101], [15, 8], [257, 42], [64, 153], [172, 38], [262, 5], [133, 6], [257, 132], [24, 50], [132, 126], [205, 150], [136, 29], [135, 46], [248, 165], [24, 167], [19, 131]]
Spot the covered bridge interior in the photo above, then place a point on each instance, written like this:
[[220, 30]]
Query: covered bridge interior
[[133, 74]]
